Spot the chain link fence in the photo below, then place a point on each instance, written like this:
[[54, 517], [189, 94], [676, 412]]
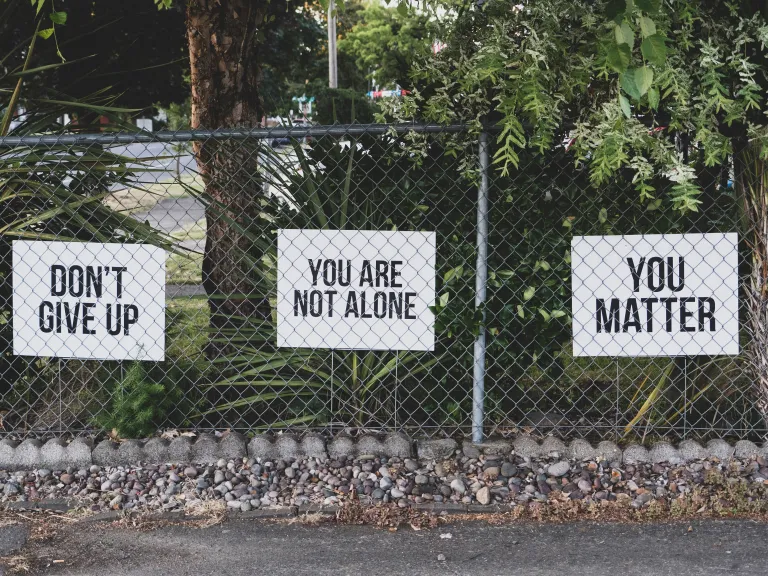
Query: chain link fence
[[501, 301]]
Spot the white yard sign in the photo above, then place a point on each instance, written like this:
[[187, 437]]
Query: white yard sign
[[655, 295], [88, 300], [355, 290]]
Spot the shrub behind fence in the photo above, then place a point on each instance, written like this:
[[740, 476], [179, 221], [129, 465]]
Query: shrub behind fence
[[502, 362]]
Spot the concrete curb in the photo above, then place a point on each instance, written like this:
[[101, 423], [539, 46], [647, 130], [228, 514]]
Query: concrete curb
[[58, 454]]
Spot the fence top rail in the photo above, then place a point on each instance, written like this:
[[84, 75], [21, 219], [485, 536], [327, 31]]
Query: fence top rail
[[70, 139]]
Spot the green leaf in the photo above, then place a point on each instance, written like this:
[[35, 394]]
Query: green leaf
[[443, 300], [520, 311], [647, 26], [625, 35], [59, 18], [529, 292], [45, 34], [619, 56], [648, 6], [624, 103], [544, 314], [643, 79], [627, 81], [402, 8], [653, 98], [40, 4], [603, 216], [654, 49], [615, 10], [558, 314]]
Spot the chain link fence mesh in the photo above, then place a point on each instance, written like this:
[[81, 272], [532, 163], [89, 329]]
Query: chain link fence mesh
[[215, 201]]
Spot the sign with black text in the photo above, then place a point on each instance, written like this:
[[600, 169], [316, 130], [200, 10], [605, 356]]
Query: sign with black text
[[355, 290], [655, 295], [88, 300]]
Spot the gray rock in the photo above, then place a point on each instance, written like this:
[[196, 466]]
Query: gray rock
[[664, 452], [378, 494], [313, 446], [190, 472], [470, 450], [27, 455], [526, 446], [205, 450], [491, 473], [744, 449], [180, 449], [156, 451], [235, 504], [585, 486], [421, 479], [385, 483], [551, 445], [720, 449], [53, 454], [436, 449], [691, 450], [636, 454], [43, 473], [484, 496], [581, 450], [8, 454], [609, 451], [559, 469], [458, 486], [411, 465], [497, 447], [384, 471], [396, 493], [287, 446], [290, 472], [397, 445], [341, 446], [261, 446], [79, 453], [368, 444], [67, 479], [508, 469], [11, 489], [232, 446]]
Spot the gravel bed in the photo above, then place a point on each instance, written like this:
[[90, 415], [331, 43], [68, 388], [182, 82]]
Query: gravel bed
[[482, 480]]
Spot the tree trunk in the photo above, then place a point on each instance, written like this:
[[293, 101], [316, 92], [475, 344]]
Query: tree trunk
[[225, 71], [752, 179]]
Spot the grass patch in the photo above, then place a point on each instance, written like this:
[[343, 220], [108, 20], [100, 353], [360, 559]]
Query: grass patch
[[194, 231], [187, 322], [184, 269], [142, 197]]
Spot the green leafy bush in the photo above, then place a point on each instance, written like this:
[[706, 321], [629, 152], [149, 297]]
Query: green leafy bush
[[139, 404]]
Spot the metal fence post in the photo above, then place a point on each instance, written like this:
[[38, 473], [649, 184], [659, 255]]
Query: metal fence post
[[478, 377]]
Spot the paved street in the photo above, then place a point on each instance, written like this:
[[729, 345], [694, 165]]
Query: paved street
[[247, 547]]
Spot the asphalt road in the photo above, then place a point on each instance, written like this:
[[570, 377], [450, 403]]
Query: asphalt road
[[247, 547]]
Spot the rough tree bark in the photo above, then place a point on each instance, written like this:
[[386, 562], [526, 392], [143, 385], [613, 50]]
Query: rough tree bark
[[225, 72], [752, 179]]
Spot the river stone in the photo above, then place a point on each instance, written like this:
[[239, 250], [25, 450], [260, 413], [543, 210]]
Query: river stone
[[559, 469], [458, 486]]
